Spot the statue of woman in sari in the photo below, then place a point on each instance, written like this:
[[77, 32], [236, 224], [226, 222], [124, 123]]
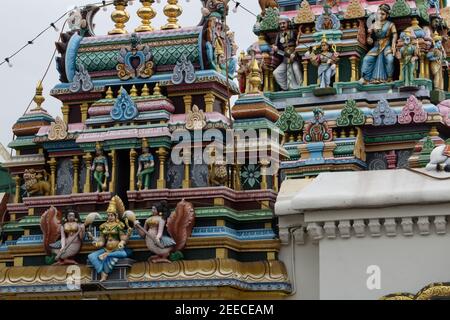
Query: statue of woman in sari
[[378, 64], [112, 240]]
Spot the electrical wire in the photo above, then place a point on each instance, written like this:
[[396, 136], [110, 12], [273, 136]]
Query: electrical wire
[[52, 25]]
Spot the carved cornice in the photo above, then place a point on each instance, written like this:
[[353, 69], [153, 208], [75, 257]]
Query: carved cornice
[[434, 290]]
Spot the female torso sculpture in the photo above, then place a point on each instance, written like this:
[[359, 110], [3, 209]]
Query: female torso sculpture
[[378, 64], [72, 234]]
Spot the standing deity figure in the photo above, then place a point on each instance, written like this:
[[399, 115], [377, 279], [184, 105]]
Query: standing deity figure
[[408, 55], [378, 64], [288, 74], [112, 240], [437, 58], [325, 61], [100, 169], [146, 166]]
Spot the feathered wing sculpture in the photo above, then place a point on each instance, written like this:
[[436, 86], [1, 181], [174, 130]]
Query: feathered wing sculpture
[[51, 227], [180, 223]]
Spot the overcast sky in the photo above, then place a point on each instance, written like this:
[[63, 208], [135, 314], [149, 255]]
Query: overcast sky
[[22, 21]]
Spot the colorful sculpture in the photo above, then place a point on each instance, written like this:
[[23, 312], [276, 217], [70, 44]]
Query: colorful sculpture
[[264, 4], [408, 55], [146, 166], [114, 235], [317, 129], [178, 225], [439, 158], [437, 58], [63, 238], [378, 64], [288, 74], [326, 62], [36, 182], [100, 170]]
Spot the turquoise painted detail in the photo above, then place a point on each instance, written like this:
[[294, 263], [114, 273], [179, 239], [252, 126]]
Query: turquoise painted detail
[[71, 56], [124, 109]]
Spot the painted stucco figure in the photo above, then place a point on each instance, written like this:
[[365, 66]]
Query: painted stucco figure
[[437, 58], [166, 234], [100, 170], [111, 242], [288, 74], [146, 166], [378, 64], [325, 61], [408, 54]]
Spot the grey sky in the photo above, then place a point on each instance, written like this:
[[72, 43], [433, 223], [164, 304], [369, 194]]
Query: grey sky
[[22, 21]]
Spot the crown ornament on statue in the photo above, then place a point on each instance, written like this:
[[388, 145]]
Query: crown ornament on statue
[[436, 37]]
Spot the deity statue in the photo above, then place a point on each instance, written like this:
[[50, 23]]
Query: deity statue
[[288, 74], [437, 58], [327, 20], [114, 235], [166, 234], [326, 62], [378, 64], [100, 169], [146, 166], [408, 55], [63, 237], [243, 72]]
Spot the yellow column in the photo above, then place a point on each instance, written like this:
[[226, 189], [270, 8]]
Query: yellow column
[[186, 180], [75, 164], [17, 195], [84, 112], [65, 112], [266, 80], [187, 103], [112, 182], [209, 102], [336, 77], [275, 182], [271, 81], [264, 164], [305, 72], [353, 67], [400, 77], [237, 177], [87, 185], [53, 164], [427, 69], [422, 66], [162, 155], [133, 155], [120, 17]]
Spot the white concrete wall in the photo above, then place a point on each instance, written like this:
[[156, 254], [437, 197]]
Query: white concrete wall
[[306, 269], [407, 264]]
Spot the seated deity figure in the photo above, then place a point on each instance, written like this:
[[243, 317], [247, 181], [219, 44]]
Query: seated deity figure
[[288, 74], [378, 64], [325, 61]]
